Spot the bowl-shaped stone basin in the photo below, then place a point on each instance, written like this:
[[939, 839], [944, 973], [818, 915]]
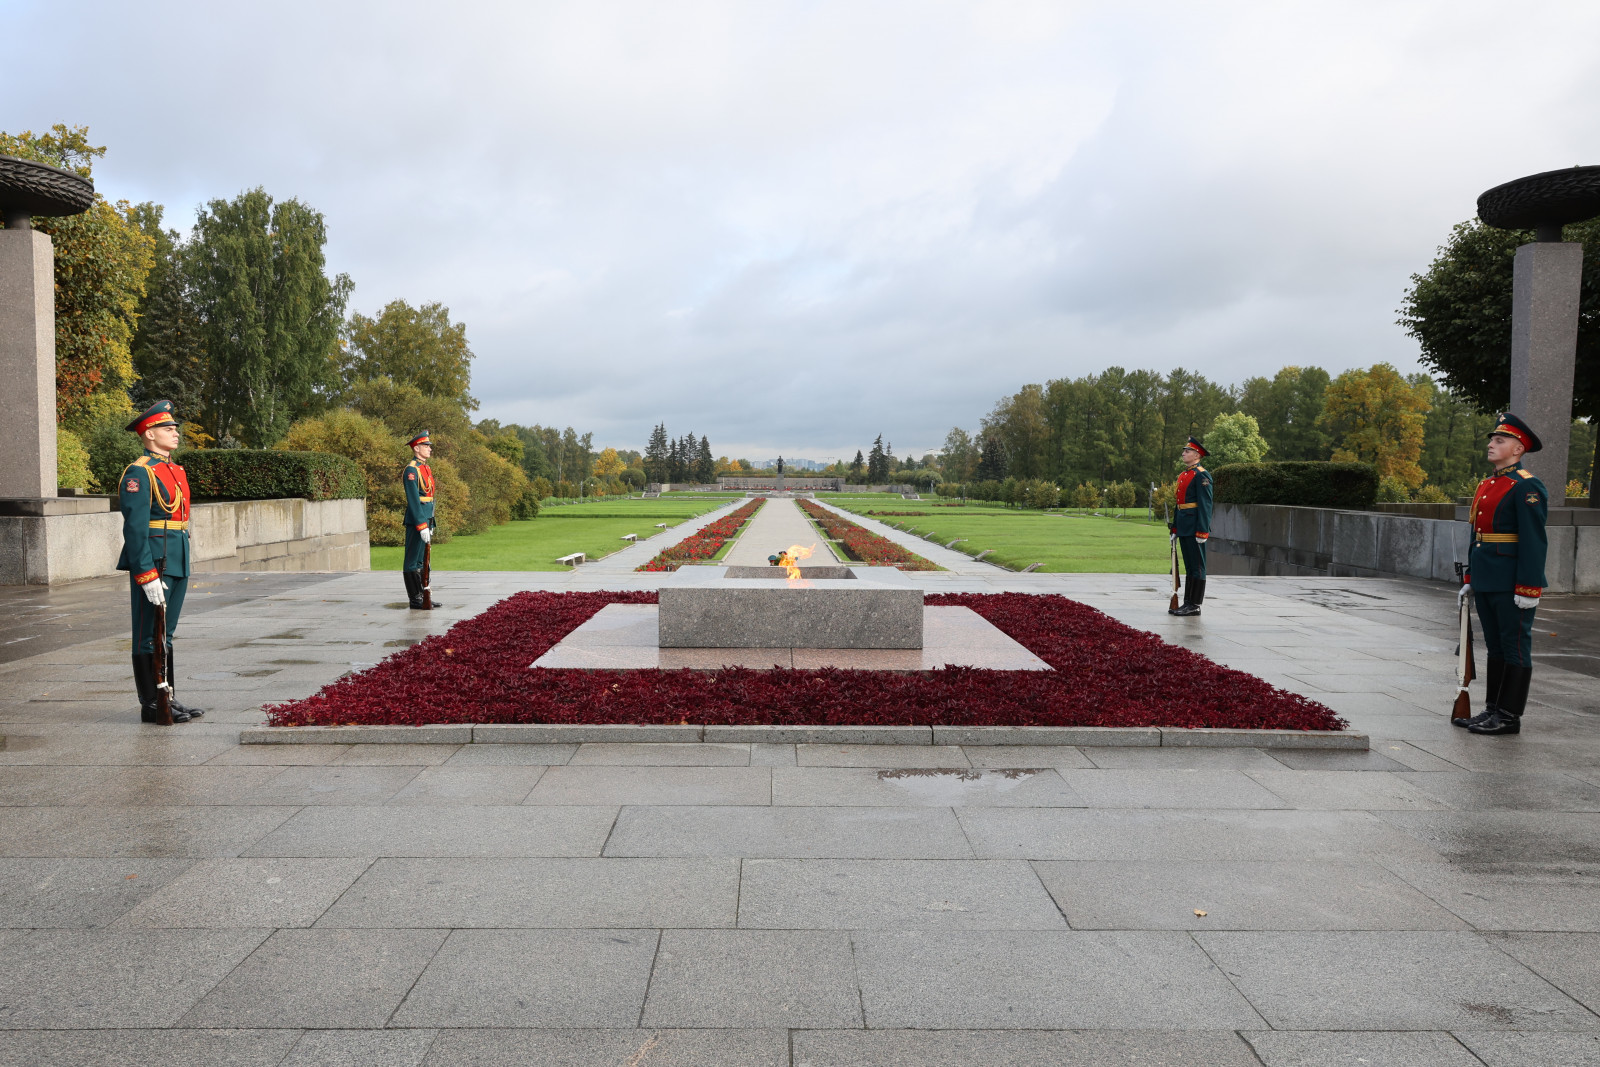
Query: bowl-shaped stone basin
[[29, 188], [1553, 198]]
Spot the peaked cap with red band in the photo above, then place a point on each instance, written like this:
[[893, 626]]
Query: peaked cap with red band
[[158, 414], [1198, 447], [420, 439], [1511, 426]]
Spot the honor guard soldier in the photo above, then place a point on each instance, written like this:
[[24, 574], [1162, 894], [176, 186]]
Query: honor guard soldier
[[1505, 572], [1192, 525], [154, 497], [418, 481]]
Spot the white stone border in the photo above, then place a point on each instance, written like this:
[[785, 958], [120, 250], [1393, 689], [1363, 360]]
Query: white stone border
[[577, 734]]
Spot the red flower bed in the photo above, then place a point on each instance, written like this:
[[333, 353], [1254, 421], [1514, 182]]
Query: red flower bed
[[862, 544], [705, 543], [1106, 674]]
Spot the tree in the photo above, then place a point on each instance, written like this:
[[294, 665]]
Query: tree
[[1235, 439], [608, 464], [168, 353], [269, 316], [656, 458], [102, 259], [1459, 311], [416, 346], [1286, 407], [877, 463], [1378, 417], [705, 468], [858, 468], [959, 457], [1452, 440], [1021, 424], [991, 459]]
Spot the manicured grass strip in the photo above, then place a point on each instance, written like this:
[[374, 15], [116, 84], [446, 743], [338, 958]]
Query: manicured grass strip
[[593, 529], [1105, 674], [1074, 542]]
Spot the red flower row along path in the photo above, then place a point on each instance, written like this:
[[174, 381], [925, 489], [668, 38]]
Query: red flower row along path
[[862, 544], [1106, 674], [705, 543]]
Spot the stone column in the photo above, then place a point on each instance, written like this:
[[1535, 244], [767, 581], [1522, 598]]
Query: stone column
[[28, 363], [1544, 344]]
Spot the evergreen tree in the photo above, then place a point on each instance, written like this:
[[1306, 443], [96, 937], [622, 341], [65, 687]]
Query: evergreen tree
[[992, 465], [857, 467], [167, 352], [657, 458], [705, 466], [877, 464]]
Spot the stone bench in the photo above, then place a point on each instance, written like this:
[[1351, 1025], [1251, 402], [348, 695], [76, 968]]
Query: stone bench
[[572, 560], [630, 537]]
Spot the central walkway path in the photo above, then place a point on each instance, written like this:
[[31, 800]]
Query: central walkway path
[[779, 524]]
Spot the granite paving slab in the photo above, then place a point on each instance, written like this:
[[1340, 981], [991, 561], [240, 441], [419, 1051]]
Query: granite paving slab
[[550, 893], [361, 1048], [1203, 895], [893, 895], [1505, 1049], [107, 979], [1517, 791], [136, 832], [1390, 981], [590, 784], [1511, 896], [1344, 1049], [320, 979], [460, 830], [300, 786], [1566, 960], [480, 785], [610, 1048], [222, 893], [147, 1048], [824, 833], [1020, 1048], [1342, 791], [920, 787], [881, 756], [1504, 836], [998, 979], [533, 978], [666, 754], [1208, 789], [49, 892], [753, 979]]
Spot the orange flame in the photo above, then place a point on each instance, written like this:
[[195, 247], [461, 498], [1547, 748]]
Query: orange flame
[[789, 559]]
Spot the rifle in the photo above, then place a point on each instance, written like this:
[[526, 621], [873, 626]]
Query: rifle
[[1466, 665], [427, 572], [163, 683], [1173, 606]]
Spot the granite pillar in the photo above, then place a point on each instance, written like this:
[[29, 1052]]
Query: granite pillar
[[28, 363], [1544, 342]]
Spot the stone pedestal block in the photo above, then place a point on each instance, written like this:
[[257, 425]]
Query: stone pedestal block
[[28, 363], [702, 608], [1544, 342]]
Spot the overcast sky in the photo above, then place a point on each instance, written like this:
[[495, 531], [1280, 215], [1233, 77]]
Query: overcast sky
[[791, 226]]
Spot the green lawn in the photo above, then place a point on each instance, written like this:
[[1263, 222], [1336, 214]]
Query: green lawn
[[1064, 541], [592, 528]]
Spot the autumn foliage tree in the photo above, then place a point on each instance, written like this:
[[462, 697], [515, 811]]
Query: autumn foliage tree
[[102, 259], [417, 346], [1378, 417]]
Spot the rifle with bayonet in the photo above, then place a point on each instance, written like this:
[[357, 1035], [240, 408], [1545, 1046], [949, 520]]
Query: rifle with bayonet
[[1173, 538], [163, 683], [1466, 666], [427, 570]]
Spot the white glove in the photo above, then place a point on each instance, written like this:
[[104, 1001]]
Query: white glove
[[1526, 602], [426, 535], [1466, 591], [154, 593]]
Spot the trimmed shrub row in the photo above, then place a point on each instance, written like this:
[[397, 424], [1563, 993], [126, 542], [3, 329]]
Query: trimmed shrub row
[[1305, 484], [268, 474]]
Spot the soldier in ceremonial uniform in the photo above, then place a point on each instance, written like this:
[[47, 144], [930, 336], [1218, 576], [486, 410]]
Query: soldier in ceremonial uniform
[[1192, 525], [154, 497], [1505, 572], [418, 482]]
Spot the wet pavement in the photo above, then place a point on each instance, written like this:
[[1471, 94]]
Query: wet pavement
[[168, 896]]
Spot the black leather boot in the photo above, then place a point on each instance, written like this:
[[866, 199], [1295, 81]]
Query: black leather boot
[[144, 680], [1513, 699], [414, 588], [179, 706], [1190, 605], [1491, 702], [1199, 591]]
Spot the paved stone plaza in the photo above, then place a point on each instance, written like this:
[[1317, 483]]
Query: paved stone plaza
[[169, 897]]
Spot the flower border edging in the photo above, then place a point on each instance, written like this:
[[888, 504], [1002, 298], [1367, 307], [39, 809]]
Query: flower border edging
[[590, 733]]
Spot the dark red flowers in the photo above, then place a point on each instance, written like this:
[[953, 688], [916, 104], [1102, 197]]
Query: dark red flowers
[[1106, 674], [863, 545], [704, 543]]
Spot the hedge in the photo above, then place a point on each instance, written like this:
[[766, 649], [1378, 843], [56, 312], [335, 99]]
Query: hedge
[[1300, 483], [267, 474]]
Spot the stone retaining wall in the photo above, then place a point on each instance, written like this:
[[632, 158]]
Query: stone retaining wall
[[65, 539], [1264, 539]]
